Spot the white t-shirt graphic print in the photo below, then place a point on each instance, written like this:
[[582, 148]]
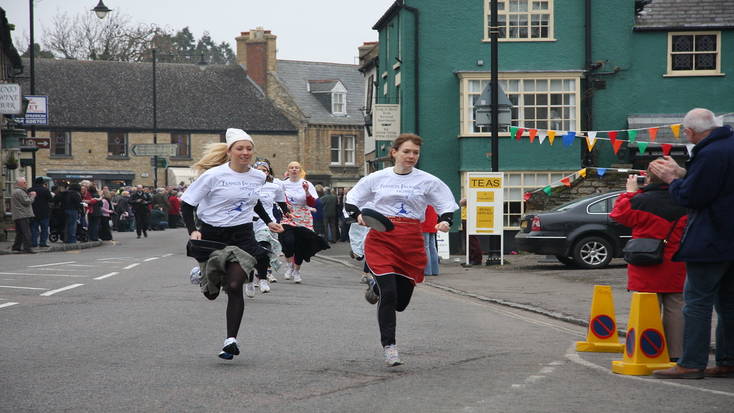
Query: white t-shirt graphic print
[[224, 197], [270, 193], [402, 195]]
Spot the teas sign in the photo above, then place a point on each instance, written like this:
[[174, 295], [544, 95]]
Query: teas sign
[[484, 201], [11, 102], [37, 112]]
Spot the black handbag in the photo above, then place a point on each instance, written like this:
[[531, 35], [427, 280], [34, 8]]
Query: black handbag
[[646, 251]]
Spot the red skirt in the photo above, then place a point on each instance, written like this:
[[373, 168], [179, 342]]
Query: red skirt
[[399, 251]]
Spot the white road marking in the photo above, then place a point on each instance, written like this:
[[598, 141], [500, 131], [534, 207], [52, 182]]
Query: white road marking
[[53, 263], [114, 258], [43, 275], [166, 255], [80, 265], [68, 287], [573, 356], [102, 277], [22, 288], [131, 266], [150, 259], [7, 305]]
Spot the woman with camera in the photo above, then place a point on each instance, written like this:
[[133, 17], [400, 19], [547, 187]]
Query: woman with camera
[[649, 210]]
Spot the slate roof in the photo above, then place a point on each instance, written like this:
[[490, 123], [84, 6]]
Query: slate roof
[[686, 14], [295, 75], [322, 86], [110, 95]]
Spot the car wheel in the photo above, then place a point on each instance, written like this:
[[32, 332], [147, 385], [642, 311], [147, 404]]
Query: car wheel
[[592, 252], [566, 260]]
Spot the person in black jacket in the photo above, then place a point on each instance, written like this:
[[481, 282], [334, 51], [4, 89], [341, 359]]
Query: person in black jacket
[[72, 207], [41, 212], [140, 200]]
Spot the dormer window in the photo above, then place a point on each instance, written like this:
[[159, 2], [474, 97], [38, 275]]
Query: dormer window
[[331, 93]]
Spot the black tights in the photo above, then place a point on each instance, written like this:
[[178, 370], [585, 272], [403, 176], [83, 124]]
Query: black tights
[[236, 301], [395, 292]]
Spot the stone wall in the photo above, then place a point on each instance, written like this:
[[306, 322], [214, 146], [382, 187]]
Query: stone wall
[[580, 188]]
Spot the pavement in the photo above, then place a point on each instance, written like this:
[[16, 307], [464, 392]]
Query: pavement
[[525, 281]]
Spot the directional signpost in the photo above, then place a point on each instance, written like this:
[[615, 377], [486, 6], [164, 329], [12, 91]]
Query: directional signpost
[[154, 149], [40, 143]]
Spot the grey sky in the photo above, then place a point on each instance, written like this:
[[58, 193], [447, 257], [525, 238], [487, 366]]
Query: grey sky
[[313, 30]]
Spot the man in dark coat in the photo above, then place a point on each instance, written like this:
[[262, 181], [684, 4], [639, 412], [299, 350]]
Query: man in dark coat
[[140, 201], [41, 213], [706, 188], [331, 217]]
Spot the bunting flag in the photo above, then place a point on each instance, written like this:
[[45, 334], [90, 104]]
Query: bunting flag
[[601, 171], [526, 196], [642, 146], [566, 181], [547, 190], [666, 149], [632, 135], [690, 149], [519, 132], [582, 173], [590, 140], [612, 137], [513, 130], [653, 134], [568, 138], [551, 136], [616, 145], [676, 130], [541, 136], [533, 133]]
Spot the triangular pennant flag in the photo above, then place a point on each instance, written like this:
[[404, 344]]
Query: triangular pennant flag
[[541, 136], [642, 146], [632, 135], [547, 190], [519, 133], [653, 134], [623, 171], [566, 181], [582, 173], [601, 171], [551, 136], [666, 149], [513, 130], [526, 196], [590, 140], [676, 130], [615, 145], [613, 137], [690, 149], [568, 138], [533, 133]]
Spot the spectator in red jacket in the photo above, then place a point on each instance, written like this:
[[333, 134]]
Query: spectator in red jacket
[[174, 210], [429, 241], [651, 213]]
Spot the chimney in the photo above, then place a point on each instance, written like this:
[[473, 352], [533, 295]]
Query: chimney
[[256, 52]]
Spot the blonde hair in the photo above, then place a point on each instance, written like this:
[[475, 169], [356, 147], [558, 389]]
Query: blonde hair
[[215, 154], [303, 171]]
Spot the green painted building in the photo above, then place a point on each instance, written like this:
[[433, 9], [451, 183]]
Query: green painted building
[[566, 65]]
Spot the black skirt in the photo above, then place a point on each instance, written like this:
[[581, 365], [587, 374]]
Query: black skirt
[[301, 242], [242, 236]]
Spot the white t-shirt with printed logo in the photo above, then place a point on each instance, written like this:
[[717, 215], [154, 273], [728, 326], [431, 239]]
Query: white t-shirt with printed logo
[[295, 193], [224, 197], [402, 195], [270, 193]]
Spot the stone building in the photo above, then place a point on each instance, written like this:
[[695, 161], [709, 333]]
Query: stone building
[[324, 100], [98, 110]]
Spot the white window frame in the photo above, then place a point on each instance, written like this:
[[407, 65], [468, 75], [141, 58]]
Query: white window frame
[[125, 145], [694, 72], [516, 184], [67, 144], [570, 87], [346, 153], [503, 7], [339, 103]]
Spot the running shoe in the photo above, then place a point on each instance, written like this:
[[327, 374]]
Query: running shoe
[[250, 289], [371, 294], [271, 277], [297, 276], [392, 358], [365, 279], [289, 272], [264, 286], [231, 348]]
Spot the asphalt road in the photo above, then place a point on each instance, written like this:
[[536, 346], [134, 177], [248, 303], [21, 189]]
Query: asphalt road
[[119, 328]]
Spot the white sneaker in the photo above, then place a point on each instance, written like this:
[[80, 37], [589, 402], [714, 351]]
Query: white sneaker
[[392, 358], [271, 277], [289, 272], [264, 286], [297, 276], [250, 290], [230, 349]]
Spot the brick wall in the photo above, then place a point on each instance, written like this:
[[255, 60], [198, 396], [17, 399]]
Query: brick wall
[[592, 184]]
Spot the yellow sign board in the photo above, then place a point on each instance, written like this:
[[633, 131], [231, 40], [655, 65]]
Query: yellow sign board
[[485, 217], [485, 182], [485, 196]]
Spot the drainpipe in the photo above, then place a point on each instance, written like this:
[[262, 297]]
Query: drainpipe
[[416, 68], [586, 85]]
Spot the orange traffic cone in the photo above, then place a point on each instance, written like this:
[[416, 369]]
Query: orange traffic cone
[[601, 335], [645, 349]]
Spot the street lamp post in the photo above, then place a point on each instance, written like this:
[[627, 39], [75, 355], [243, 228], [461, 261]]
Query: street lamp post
[[155, 121], [494, 35]]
